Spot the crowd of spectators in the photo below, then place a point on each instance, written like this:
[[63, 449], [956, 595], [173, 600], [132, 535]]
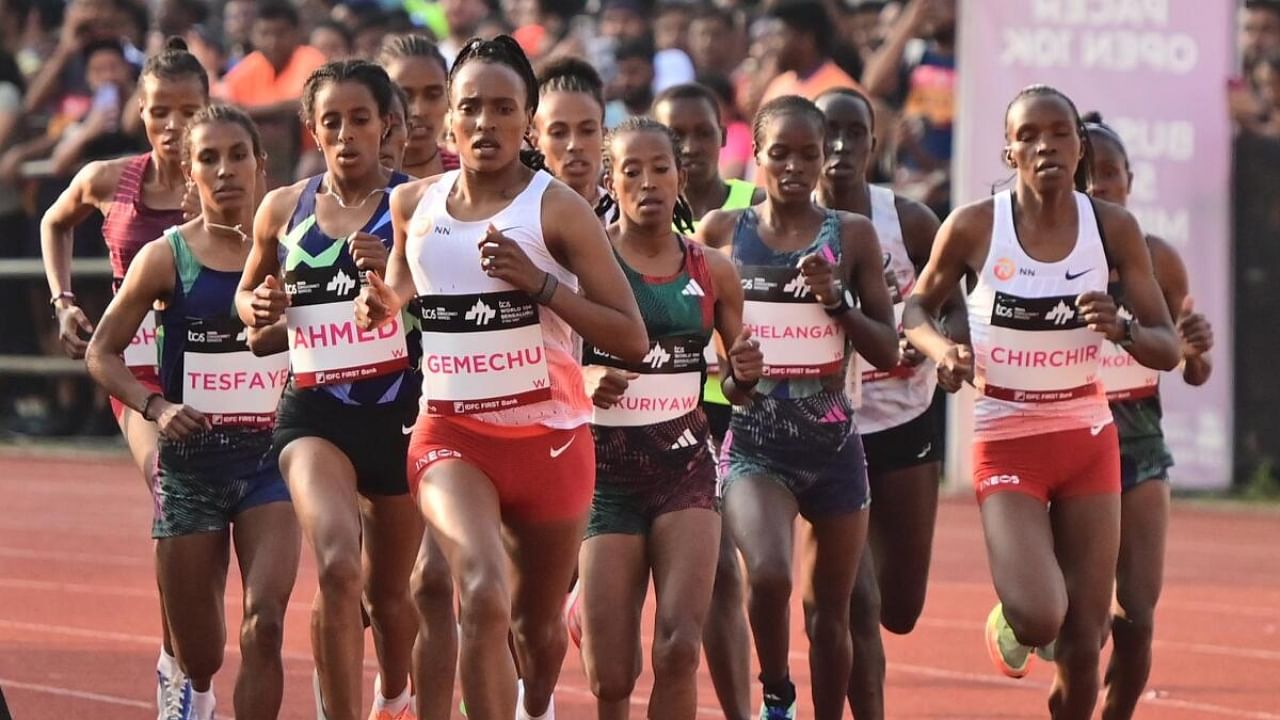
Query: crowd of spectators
[[68, 70]]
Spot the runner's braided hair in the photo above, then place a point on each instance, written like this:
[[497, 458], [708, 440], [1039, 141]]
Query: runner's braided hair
[[1096, 126], [414, 45], [220, 113], [683, 215], [780, 107], [370, 75], [575, 75], [175, 62], [1084, 170], [504, 50]]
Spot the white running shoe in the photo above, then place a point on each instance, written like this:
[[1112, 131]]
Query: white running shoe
[[173, 695], [315, 686]]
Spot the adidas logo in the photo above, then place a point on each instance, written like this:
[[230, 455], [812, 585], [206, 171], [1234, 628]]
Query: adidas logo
[[657, 357], [693, 288], [243, 336], [341, 284], [1061, 314], [686, 440], [796, 286], [480, 313]]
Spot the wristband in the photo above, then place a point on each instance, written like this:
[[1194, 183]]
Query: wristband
[[64, 295], [549, 286], [146, 406], [844, 305]]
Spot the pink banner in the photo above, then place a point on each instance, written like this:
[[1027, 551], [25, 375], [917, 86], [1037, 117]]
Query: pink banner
[[1157, 70]]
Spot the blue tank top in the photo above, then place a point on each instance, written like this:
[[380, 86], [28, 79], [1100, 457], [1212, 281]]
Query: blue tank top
[[308, 248], [200, 296], [750, 250]]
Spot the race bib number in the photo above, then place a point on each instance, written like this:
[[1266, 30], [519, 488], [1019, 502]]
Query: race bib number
[[797, 337], [325, 346], [1039, 350], [224, 380], [481, 353], [669, 383], [142, 350]]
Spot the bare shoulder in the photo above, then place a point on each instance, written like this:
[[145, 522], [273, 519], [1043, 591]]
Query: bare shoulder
[[716, 227], [406, 196], [278, 204], [561, 198], [852, 224], [718, 263], [914, 216], [99, 178], [1166, 262], [1114, 219], [974, 219]]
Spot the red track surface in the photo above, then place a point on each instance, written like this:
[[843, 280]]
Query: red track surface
[[78, 618]]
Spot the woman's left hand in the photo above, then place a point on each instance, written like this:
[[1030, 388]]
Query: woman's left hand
[[504, 259], [819, 274]]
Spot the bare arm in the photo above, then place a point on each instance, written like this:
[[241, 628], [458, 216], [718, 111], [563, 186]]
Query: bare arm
[[716, 228], [379, 300], [881, 75], [742, 356], [1193, 329], [870, 325], [1155, 343], [604, 313], [150, 278], [919, 227], [950, 259], [48, 81], [260, 301]]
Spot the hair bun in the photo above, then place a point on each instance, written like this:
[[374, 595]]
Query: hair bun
[[175, 42], [1093, 116]]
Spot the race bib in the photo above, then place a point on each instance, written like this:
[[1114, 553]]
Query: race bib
[[873, 374], [1123, 377], [481, 353], [796, 336], [1039, 350], [142, 350], [669, 383], [325, 345], [224, 380]]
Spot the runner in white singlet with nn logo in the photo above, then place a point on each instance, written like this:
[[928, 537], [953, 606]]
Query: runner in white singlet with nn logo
[[1038, 316], [897, 414], [501, 455]]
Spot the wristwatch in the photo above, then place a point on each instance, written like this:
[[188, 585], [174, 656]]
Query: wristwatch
[[840, 307], [1126, 340]]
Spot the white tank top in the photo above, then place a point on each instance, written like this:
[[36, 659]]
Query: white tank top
[[893, 397], [489, 351], [1036, 361]]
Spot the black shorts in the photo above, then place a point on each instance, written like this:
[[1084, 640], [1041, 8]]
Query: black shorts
[[718, 420], [914, 442], [375, 438]]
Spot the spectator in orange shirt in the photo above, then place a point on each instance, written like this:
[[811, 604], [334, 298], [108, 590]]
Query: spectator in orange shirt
[[268, 82], [804, 46]]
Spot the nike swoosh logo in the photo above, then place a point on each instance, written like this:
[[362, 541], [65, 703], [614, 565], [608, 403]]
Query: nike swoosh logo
[[1097, 429], [1071, 276], [925, 451], [406, 429], [557, 452]]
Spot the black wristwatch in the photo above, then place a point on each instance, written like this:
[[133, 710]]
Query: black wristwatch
[[1126, 340], [840, 307]]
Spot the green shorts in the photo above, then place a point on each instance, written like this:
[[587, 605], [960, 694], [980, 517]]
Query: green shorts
[[1143, 459]]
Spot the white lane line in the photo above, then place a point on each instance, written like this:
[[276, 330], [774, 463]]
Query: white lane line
[[77, 694]]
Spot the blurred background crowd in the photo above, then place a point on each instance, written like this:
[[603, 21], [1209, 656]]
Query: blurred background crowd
[[67, 96]]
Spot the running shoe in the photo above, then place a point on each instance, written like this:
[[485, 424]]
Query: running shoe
[[1048, 653], [173, 696], [572, 618], [1009, 656], [315, 687], [406, 714], [774, 709]]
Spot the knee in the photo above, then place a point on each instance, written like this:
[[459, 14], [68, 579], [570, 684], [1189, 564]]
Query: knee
[[1035, 627], [486, 604], [341, 579], [612, 682], [899, 620], [771, 582], [1136, 619], [262, 629], [825, 625], [865, 615], [432, 589], [676, 652]]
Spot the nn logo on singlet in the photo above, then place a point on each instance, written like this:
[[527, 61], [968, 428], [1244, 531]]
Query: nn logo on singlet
[[657, 357], [480, 313], [796, 286], [1061, 314], [341, 284]]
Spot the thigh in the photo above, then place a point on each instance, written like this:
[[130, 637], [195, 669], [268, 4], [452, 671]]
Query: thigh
[[268, 543], [545, 556], [462, 509], [833, 549], [684, 547], [1144, 523], [1020, 551], [322, 484], [904, 508], [393, 535], [192, 572], [614, 577], [1086, 531], [761, 513]]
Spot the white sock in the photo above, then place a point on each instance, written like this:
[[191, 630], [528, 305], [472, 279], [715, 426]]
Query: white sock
[[167, 665], [202, 704], [395, 704], [522, 714]]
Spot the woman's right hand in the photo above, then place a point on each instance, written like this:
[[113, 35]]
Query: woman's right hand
[[71, 322], [177, 421], [375, 303], [611, 385], [269, 302], [955, 368]]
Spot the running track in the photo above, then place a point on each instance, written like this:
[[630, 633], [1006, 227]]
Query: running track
[[78, 634]]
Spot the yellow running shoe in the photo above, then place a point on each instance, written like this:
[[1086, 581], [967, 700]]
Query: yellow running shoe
[[1009, 656]]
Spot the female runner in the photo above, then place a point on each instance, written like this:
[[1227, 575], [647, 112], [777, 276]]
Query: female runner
[[654, 509], [1144, 456], [415, 64], [793, 450], [897, 417], [1038, 314], [501, 451], [217, 481], [139, 197], [692, 111], [341, 431], [569, 130]]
